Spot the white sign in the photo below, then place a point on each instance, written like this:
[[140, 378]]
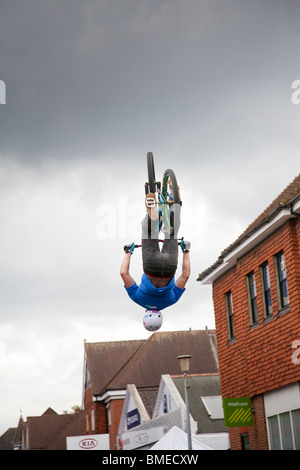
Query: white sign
[[135, 439], [88, 442]]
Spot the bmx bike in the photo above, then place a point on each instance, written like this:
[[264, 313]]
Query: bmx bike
[[165, 195]]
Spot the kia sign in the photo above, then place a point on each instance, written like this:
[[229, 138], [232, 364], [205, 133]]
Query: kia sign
[[88, 442], [134, 439]]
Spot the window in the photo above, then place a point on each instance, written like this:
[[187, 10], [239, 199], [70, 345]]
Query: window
[[274, 433], [108, 415], [87, 381], [282, 281], [229, 312], [296, 427], [267, 297], [93, 419], [87, 427], [213, 406], [284, 430], [245, 441], [252, 301]]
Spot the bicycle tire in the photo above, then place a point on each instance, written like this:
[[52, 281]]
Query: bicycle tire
[[169, 179], [151, 172], [169, 175]]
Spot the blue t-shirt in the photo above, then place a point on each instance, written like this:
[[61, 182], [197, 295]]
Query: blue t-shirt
[[149, 296]]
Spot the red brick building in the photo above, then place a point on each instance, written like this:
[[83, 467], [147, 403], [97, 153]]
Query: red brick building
[[256, 295], [110, 366]]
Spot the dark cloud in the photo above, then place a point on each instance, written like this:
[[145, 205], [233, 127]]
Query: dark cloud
[[88, 79]]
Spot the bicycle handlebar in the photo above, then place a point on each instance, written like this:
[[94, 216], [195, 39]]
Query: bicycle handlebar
[[161, 241]]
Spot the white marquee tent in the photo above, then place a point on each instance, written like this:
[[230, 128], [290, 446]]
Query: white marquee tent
[[176, 439]]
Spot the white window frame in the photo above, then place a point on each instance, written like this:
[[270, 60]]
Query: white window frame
[[280, 430]]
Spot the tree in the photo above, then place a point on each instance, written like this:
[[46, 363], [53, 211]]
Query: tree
[[74, 408]]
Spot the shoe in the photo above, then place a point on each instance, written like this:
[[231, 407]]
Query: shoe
[[151, 206]]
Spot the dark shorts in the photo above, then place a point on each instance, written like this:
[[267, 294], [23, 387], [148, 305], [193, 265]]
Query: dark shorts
[[158, 262]]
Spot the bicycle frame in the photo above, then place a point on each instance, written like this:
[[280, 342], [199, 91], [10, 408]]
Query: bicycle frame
[[160, 202]]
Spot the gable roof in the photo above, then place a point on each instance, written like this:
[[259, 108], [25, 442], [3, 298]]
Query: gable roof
[[207, 385], [133, 402], [285, 200], [49, 431], [148, 396], [105, 359], [205, 406], [143, 362], [75, 426], [6, 440]]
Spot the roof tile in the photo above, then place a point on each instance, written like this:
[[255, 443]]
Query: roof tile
[[284, 199], [150, 359]]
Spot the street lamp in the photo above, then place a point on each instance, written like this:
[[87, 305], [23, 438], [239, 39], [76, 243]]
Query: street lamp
[[184, 363]]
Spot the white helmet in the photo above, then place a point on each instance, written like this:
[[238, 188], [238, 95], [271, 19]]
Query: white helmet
[[152, 320]]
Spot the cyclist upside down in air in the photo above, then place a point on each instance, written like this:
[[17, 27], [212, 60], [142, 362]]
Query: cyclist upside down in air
[[158, 288]]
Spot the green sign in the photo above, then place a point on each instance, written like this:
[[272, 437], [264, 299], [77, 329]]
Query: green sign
[[237, 412]]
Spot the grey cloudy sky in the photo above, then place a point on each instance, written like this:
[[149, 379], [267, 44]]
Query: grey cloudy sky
[[91, 87]]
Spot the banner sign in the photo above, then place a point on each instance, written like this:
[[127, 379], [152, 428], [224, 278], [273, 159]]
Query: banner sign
[[133, 418], [135, 439], [238, 412], [88, 442]]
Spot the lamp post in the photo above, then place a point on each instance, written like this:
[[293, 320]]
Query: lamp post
[[184, 363]]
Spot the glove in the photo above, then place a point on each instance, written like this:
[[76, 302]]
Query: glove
[[185, 246], [129, 248]]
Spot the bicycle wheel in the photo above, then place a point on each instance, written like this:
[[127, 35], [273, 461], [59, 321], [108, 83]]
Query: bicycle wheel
[[170, 189], [171, 196], [151, 172]]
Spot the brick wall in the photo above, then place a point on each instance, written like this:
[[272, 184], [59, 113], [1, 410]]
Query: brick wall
[[260, 357], [88, 405], [103, 423], [101, 418], [100, 415], [116, 407], [257, 433]]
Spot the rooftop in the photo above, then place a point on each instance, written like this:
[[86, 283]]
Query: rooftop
[[201, 387], [286, 205], [49, 431], [113, 365], [6, 440]]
